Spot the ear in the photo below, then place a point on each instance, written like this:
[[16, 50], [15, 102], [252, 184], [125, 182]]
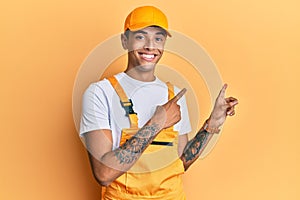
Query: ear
[[124, 41]]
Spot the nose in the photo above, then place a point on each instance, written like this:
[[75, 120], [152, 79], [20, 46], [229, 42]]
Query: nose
[[149, 44]]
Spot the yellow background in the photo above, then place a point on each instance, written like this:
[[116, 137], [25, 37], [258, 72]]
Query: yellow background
[[255, 45]]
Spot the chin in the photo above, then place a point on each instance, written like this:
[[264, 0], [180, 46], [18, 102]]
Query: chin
[[146, 67]]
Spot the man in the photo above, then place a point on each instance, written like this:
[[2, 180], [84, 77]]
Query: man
[[135, 127]]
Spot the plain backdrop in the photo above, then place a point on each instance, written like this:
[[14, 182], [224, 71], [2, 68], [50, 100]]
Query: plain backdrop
[[255, 45]]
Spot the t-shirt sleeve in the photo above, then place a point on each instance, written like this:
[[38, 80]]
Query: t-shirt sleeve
[[184, 125], [95, 110]]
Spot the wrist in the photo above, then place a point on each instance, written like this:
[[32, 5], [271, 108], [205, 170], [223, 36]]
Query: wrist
[[156, 123], [210, 127], [159, 118]]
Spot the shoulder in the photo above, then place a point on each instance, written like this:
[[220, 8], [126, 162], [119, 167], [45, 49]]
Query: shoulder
[[98, 89], [176, 89], [162, 83], [103, 84]]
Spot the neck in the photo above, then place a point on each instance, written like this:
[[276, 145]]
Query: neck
[[140, 76], [140, 73]]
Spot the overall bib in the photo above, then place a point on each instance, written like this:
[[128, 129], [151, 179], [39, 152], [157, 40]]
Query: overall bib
[[157, 173]]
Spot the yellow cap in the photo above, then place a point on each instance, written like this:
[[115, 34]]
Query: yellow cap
[[145, 16]]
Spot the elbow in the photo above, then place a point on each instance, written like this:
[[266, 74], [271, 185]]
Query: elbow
[[104, 183], [185, 164], [186, 168], [103, 174], [103, 179]]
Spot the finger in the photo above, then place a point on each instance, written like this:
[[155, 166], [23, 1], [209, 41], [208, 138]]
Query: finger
[[222, 92], [178, 95], [231, 101], [230, 110], [231, 113], [234, 103]]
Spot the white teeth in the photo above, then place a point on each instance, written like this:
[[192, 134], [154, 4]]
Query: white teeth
[[148, 56]]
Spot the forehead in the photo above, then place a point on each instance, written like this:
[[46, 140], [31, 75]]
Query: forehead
[[151, 30]]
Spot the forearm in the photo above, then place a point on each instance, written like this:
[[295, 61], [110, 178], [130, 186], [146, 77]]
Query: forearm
[[123, 158], [195, 147], [127, 154]]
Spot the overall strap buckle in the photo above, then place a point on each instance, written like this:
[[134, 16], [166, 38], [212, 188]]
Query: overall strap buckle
[[128, 106]]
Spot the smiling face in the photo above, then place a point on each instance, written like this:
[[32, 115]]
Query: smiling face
[[145, 48]]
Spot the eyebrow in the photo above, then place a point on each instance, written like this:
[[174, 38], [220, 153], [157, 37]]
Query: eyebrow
[[144, 32]]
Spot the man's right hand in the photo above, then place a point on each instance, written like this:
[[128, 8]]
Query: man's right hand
[[168, 114]]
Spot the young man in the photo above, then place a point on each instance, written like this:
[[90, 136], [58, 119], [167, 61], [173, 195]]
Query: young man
[[135, 127]]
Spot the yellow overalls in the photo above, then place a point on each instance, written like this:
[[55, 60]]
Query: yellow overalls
[[157, 173]]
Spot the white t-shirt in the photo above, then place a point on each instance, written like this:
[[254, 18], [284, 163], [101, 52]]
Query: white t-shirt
[[102, 109]]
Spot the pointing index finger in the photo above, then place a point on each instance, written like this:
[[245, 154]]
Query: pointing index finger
[[222, 92], [179, 95]]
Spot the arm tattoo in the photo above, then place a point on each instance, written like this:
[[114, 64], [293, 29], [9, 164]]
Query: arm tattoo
[[132, 149], [194, 147]]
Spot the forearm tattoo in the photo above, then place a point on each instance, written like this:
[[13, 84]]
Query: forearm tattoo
[[194, 147], [132, 149]]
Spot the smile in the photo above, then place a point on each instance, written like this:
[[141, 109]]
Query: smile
[[147, 57]]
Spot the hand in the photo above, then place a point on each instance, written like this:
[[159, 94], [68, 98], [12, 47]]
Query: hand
[[223, 107], [168, 114]]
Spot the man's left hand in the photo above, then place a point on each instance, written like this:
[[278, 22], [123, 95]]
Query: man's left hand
[[223, 107]]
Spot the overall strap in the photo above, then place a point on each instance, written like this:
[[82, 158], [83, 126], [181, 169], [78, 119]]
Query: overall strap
[[170, 96], [170, 90], [126, 103]]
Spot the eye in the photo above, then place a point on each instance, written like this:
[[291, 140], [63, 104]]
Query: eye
[[139, 37], [159, 39]]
